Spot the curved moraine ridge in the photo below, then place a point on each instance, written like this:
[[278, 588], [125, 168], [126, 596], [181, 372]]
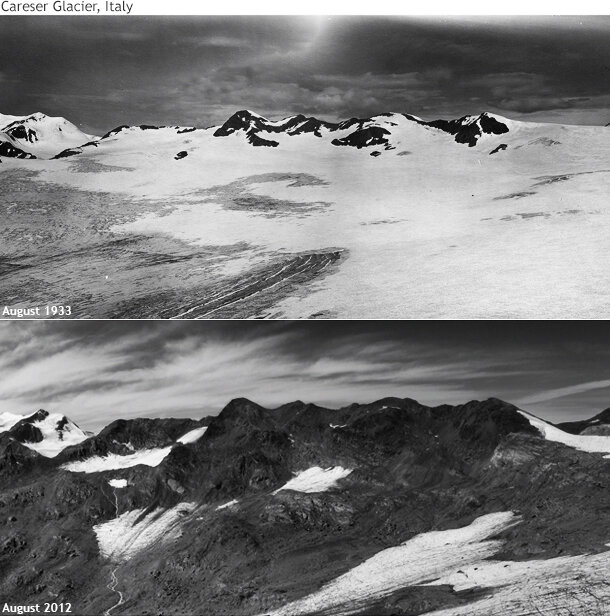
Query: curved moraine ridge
[[249, 295]]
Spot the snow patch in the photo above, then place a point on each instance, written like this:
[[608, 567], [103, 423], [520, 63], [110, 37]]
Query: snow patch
[[192, 436], [316, 479], [118, 483], [335, 426], [226, 505], [112, 461], [583, 442], [126, 535], [426, 556]]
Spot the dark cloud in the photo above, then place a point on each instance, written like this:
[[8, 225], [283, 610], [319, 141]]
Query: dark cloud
[[100, 371], [101, 72]]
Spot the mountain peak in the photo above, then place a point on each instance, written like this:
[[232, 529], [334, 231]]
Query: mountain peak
[[38, 135]]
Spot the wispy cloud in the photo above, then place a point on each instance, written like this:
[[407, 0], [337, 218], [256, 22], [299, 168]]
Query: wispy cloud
[[562, 392], [100, 371]]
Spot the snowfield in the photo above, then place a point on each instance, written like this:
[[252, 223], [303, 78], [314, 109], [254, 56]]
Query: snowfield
[[316, 479], [554, 587], [113, 461], [192, 436], [589, 443], [226, 505], [425, 557], [119, 539], [429, 228], [118, 483]]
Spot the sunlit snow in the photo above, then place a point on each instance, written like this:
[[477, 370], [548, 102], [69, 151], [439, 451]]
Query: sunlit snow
[[147, 457], [119, 539], [192, 436], [584, 442], [50, 135], [316, 479], [426, 556], [564, 585], [54, 437], [8, 420], [226, 505], [113, 461], [118, 483]]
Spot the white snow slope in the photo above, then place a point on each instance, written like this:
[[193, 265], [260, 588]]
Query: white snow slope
[[316, 479], [45, 136], [118, 483], [148, 457], [227, 505], [462, 558], [119, 539], [8, 420], [590, 443], [496, 233], [113, 461], [562, 586], [54, 438], [192, 436], [421, 559]]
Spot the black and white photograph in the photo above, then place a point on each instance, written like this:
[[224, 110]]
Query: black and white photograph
[[293, 167], [305, 468], [304, 314]]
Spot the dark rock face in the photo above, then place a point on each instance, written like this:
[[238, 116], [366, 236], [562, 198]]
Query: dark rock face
[[414, 469], [501, 147], [122, 437], [24, 432], [248, 122], [312, 125], [465, 130], [69, 152], [468, 130], [579, 427], [114, 131], [257, 141], [10, 151], [364, 137], [180, 155], [19, 131]]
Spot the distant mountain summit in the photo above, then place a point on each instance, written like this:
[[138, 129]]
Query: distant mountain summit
[[38, 136], [47, 434], [364, 132], [42, 136]]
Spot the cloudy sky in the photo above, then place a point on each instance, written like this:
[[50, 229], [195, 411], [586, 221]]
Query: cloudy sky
[[96, 372], [102, 72]]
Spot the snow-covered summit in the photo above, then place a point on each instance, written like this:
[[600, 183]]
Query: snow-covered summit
[[46, 433], [41, 135]]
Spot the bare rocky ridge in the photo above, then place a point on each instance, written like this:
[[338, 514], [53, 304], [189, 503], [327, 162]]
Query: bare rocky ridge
[[207, 526]]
